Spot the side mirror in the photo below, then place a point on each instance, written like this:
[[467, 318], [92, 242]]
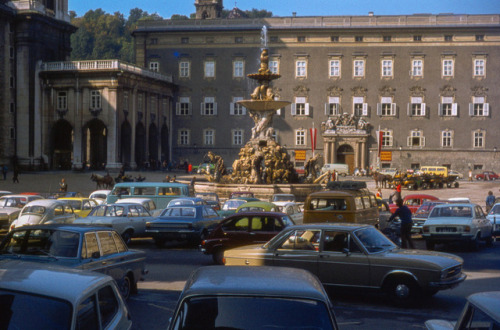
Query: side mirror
[[96, 255]]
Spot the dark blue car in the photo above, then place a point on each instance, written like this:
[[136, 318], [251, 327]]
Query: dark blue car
[[93, 248]]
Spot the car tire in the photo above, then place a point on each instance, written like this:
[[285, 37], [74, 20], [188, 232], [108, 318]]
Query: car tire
[[126, 287], [429, 245], [401, 290], [218, 256]]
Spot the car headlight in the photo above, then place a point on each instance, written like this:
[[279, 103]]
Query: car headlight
[[426, 229], [466, 229]]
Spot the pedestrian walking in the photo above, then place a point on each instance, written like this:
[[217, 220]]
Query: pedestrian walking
[[490, 201], [63, 186], [470, 175], [15, 176], [4, 171], [404, 214]]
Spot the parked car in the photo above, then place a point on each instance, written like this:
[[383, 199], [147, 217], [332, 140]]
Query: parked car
[[282, 199], [81, 205], [5, 192], [98, 249], [186, 201], [210, 198], [487, 175], [456, 173], [482, 311], [421, 215], [184, 222], [457, 222], [236, 194], [294, 211], [37, 296], [413, 201], [11, 206], [243, 229], [494, 217], [354, 255], [217, 297], [100, 196], [148, 204], [45, 211], [128, 219], [257, 206], [229, 207]]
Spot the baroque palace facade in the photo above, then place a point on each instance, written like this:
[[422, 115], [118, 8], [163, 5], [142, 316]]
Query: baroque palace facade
[[424, 87]]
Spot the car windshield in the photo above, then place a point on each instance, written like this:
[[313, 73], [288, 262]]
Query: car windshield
[[225, 312], [53, 243], [495, 209], [252, 209], [28, 311], [284, 198], [33, 209], [424, 209], [75, 204], [207, 197], [189, 212], [99, 196], [233, 204], [451, 211], [373, 240], [12, 202]]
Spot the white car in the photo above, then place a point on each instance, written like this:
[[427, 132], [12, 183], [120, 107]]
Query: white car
[[294, 211], [494, 217], [282, 199], [148, 204], [457, 222], [99, 196], [482, 311], [45, 211], [11, 206], [40, 296]]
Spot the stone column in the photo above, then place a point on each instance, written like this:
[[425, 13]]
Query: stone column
[[74, 100], [326, 151], [112, 150], [333, 151], [133, 123], [363, 155], [356, 154]]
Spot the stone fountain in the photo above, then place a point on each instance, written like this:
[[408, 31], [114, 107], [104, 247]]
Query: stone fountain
[[263, 167]]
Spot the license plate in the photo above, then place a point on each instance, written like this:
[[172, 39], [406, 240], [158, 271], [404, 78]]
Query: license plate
[[446, 230]]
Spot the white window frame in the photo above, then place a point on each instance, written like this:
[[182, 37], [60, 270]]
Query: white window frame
[[184, 69], [386, 108], [478, 139], [209, 69], [479, 68], [236, 109], [417, 67], [332, 108], [416, 134], [183, 107], [184, 137], [448, 67], [478, 107], [62, 100], [360, 111], [208, 106], [300, 107], [154, 66], [209, 137], [301, 68], [238, 68], [300, 137], [447, 108], [387, 137], [416, 107], [237, 137], [274, 66], [95, 99], [447, 139], [358, 68], [334, 66], [387, 66]]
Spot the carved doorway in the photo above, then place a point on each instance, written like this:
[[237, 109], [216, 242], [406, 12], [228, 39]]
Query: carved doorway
[[345, 155], [62, 142], [95, 142]]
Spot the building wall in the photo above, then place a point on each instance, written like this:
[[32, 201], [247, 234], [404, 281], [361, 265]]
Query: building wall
[[316, 40]]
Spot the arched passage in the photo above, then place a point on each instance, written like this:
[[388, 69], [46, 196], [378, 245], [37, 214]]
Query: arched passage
[[126, 143], [140, 145], [345, 155], [62, 142], [95, 142]]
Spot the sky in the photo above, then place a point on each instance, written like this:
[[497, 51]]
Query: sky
[[167, 8]]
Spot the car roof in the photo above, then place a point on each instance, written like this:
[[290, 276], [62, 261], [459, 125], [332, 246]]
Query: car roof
[[74, 198], [258, 203], [132, 200], [263, 280], [421, 196], [257, 213], [331, 226], [46, 202], [38, 278], [488, 302], [455, 205], [22, 196], [81, 228]]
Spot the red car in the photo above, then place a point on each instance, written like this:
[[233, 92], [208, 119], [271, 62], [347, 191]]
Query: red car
[[487, 175], [413, 201], [243, 228]]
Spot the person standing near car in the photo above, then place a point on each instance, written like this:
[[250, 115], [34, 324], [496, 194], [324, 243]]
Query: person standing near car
[[404, 214], [490, 200], [63, 186]]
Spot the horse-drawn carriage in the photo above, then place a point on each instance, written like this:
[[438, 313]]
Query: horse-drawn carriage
[[415, 181]]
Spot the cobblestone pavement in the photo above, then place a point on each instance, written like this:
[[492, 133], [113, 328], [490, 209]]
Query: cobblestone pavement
[[47, 183]]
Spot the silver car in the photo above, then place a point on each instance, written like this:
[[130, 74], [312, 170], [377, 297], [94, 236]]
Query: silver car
[[494, 217], [457, 222], [45, 211]]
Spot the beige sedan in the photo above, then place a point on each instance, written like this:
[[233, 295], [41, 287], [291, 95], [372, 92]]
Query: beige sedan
[[353, 255]]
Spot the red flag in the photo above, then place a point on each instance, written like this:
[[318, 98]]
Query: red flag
[[313, 132], [380, 138]]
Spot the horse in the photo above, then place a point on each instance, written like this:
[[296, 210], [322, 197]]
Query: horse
[[105, 181], [382, 179]]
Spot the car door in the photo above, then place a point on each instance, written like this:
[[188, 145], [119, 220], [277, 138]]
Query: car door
[[299, 250], [263, 228], [111, 259], [336, 266], [210, 218], [138, 216], [91, 254], [235, 231], [482, 222]]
